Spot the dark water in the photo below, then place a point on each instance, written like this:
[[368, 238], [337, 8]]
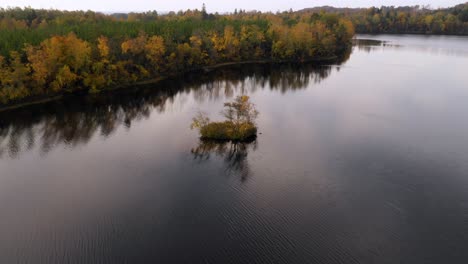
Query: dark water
[[360, 162]]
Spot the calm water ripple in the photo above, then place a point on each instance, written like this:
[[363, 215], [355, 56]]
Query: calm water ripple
[[365, 161]]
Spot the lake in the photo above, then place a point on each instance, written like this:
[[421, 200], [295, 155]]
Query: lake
[[362, 161]]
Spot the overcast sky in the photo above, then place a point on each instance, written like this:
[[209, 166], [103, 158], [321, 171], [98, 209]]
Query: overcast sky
[[212, 5]]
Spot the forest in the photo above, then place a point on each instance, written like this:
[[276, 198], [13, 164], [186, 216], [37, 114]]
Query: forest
[[50, 52], [404, 20]]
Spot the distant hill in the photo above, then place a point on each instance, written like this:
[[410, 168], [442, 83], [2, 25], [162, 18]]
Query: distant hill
[[330, 9], [417, 8], [347, 10]]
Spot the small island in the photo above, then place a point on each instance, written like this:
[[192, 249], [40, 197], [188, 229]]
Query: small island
[[239, 125]]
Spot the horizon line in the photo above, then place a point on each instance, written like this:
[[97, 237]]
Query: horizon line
[[224, 12]]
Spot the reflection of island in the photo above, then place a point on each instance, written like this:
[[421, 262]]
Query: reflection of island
[[368, 45], [234, 155], [74, 120]]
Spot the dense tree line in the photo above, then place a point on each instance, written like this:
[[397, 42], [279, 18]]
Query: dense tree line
[[47, 52], [409, 19]]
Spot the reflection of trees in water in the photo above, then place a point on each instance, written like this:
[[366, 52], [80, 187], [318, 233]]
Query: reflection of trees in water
[[250, 78], [75, 120], [369, 45], [234, 155], [71, 122]]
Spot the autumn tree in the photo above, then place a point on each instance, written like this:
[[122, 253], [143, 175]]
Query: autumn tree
[[135, 47], [252, 42], [239, 111], [103, 47], [102, 70], [14, 79], [155, 50], [227, 45], [239, 125], [59, 62], [38, 59]]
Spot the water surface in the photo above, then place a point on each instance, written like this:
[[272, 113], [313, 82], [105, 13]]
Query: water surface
[[364, 161]]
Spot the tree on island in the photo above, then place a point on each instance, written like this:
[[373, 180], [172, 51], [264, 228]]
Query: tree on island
[[239, 124]]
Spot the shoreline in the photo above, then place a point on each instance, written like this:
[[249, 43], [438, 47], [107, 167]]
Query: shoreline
[[412, 33], [56, 97]]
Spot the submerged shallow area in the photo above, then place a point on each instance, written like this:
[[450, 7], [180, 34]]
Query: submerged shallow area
[[364, 161]]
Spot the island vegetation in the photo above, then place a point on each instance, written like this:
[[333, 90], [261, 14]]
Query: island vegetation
[[44, 53], [239, 124]]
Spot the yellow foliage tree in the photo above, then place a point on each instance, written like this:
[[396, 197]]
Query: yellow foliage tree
[[103, 47], [155, 50], [136, 45], [251, 41], [57, 59], [14, 78], [228, 45]]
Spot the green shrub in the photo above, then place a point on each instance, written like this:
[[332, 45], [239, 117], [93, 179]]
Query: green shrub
[[239, 126], [228, 131]]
